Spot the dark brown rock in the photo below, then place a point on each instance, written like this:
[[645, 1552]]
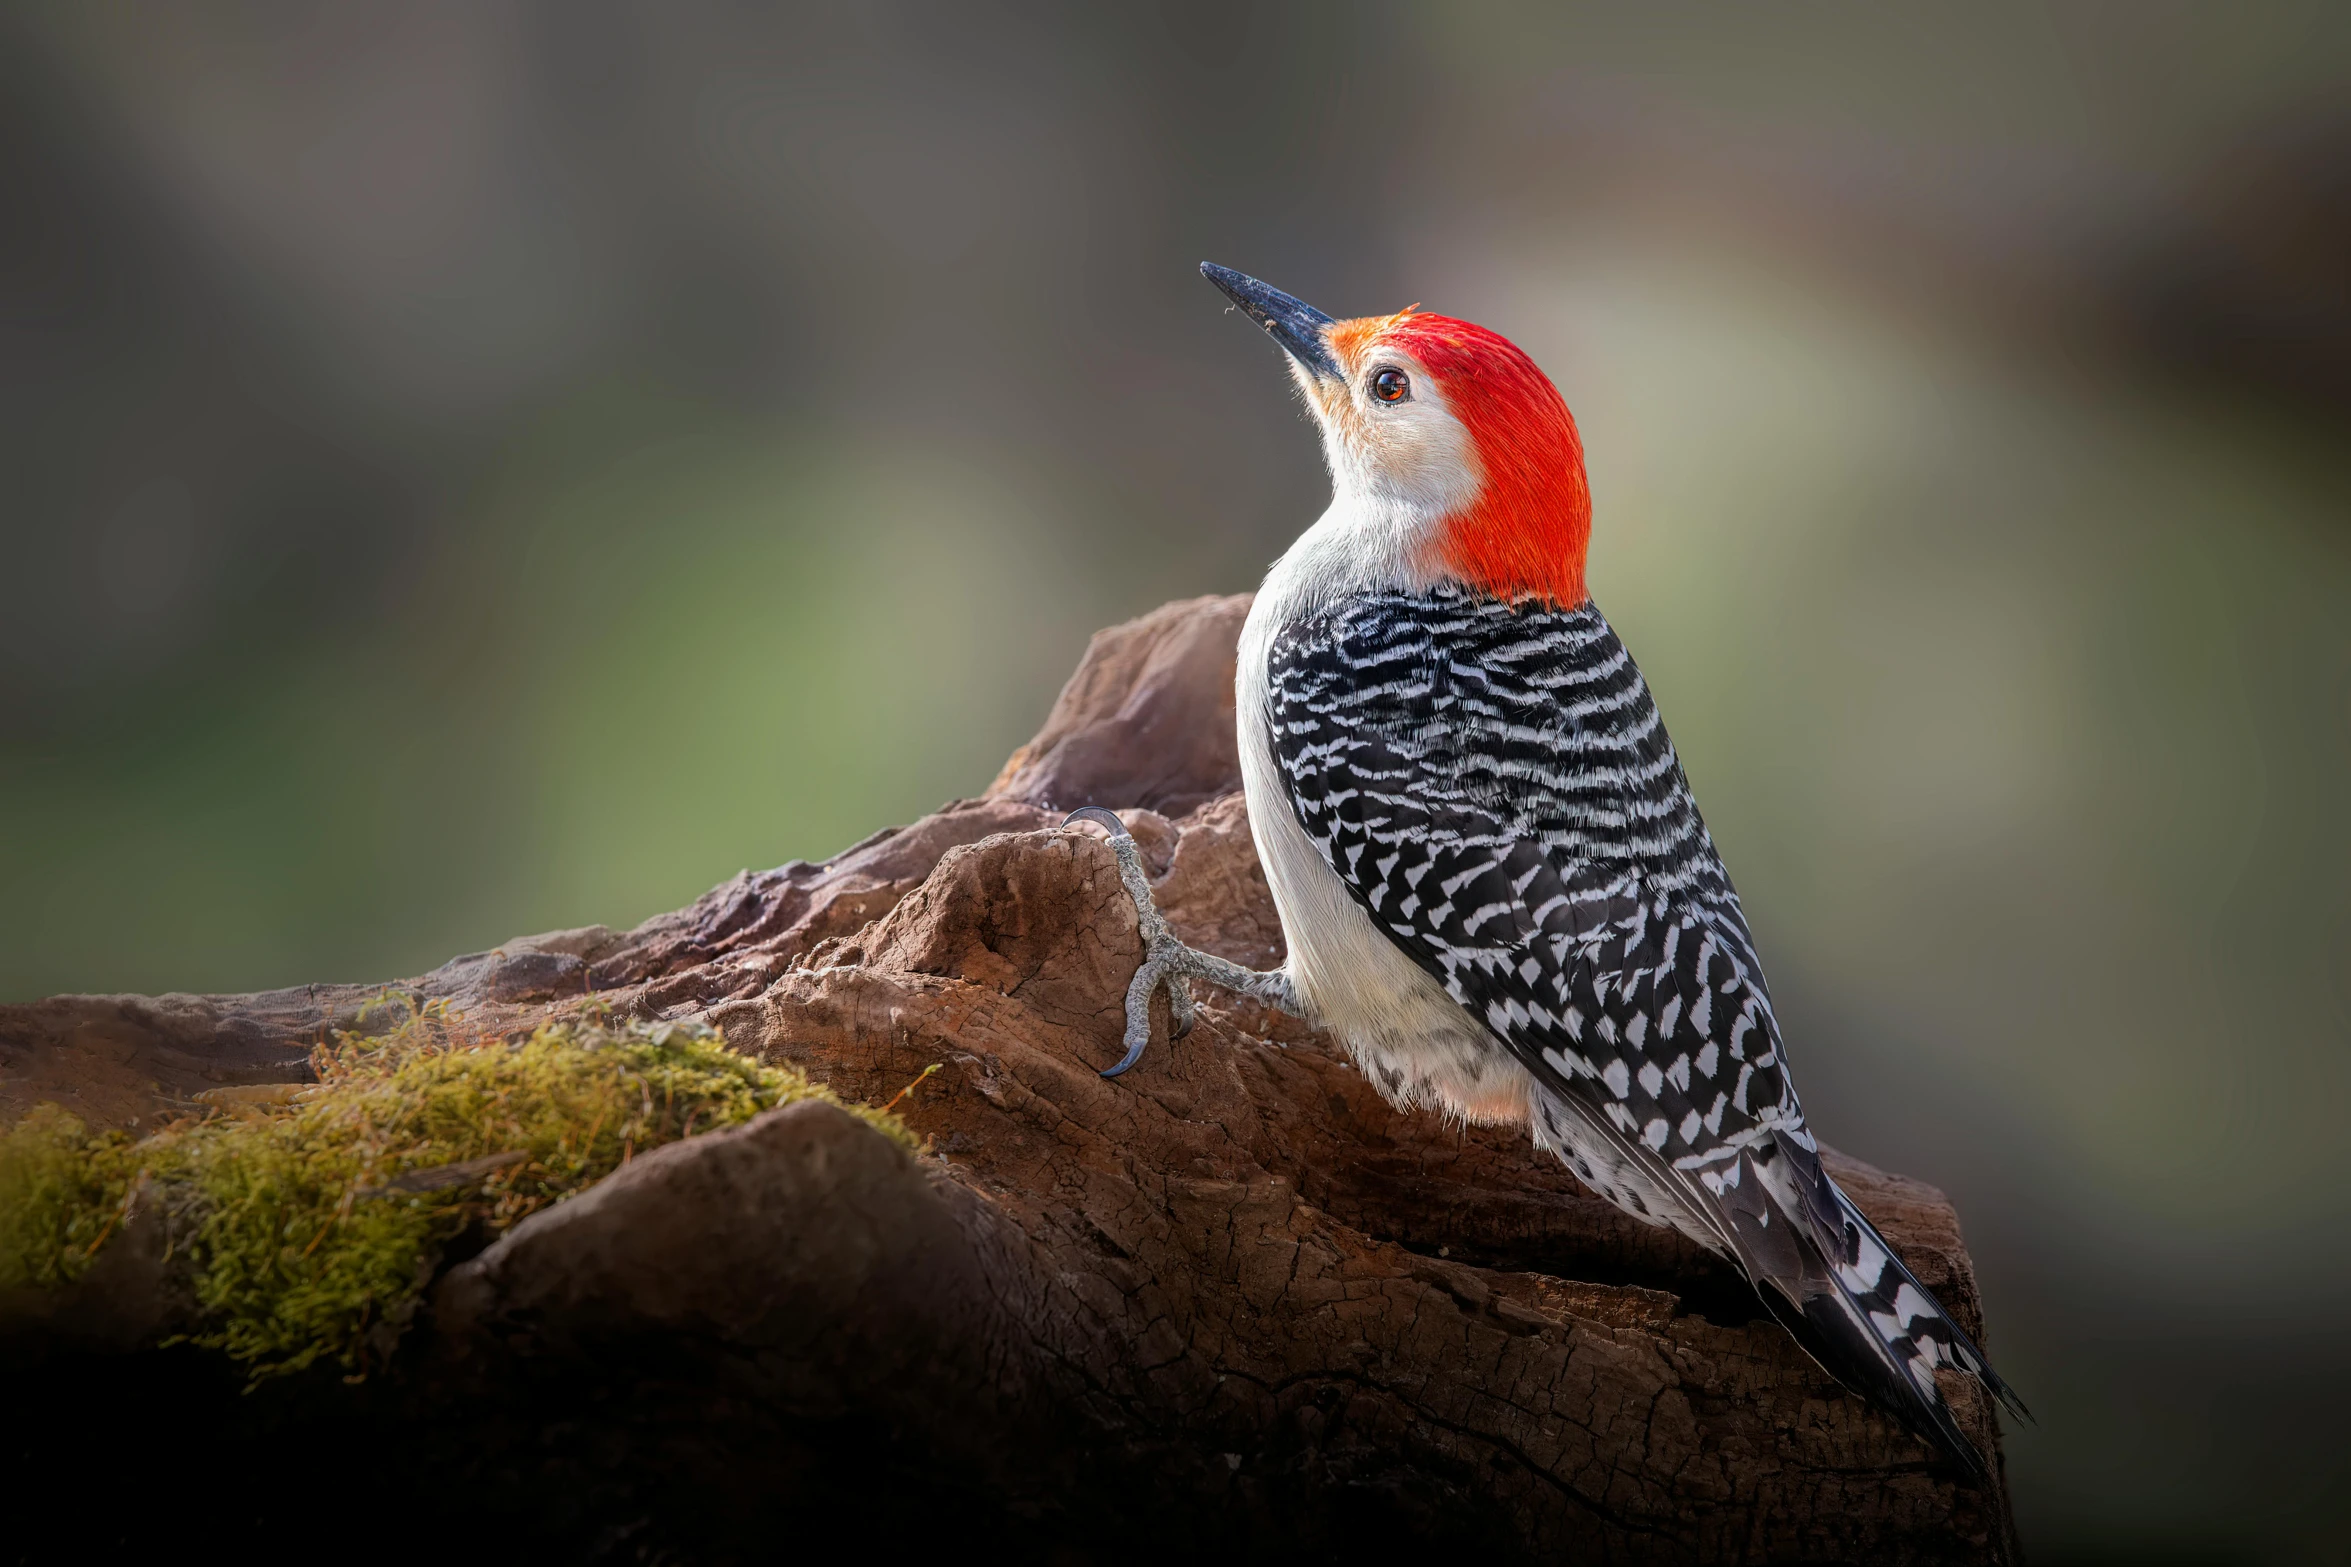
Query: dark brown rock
[[818, 1255], [1351, 1300]]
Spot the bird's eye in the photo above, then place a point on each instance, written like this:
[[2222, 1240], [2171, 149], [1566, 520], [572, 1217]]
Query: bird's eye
[[1391, 385]]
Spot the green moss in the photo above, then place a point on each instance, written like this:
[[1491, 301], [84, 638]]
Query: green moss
[[62, 1194], [312, 1227]]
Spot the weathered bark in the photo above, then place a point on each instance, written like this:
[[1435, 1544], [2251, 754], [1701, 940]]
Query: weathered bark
[[1229, 1302]]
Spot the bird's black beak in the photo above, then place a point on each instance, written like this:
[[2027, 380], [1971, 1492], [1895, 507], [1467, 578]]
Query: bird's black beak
[[1293, 323]]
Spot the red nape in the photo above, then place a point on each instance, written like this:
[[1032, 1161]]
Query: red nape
[[1527, 531]]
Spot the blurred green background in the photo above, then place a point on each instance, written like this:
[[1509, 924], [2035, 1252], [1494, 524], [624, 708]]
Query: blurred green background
[[479, 468]]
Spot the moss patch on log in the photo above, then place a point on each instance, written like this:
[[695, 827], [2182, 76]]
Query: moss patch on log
[[311, 1218]]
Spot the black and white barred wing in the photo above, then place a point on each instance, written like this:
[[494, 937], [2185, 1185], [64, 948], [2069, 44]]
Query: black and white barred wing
[[1656, 1049], [1493, 786]]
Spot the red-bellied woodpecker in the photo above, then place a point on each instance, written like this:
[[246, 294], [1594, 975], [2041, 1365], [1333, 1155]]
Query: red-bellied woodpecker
[[1492, 879]]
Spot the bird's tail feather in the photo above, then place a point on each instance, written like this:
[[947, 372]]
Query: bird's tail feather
[[1865, 1317]]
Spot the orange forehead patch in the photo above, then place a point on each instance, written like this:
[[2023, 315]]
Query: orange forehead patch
[[1352, 340]]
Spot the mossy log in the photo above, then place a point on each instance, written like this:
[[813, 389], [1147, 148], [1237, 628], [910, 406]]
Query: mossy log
[[1230, 1304]]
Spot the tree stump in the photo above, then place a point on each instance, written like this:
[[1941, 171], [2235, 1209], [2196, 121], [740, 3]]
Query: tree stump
[[1229, 1304]]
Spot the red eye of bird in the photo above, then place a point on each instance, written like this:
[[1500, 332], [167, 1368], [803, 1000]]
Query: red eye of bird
[[1391, 385]]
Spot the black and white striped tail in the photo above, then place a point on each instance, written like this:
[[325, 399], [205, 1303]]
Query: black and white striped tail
[[1882, 1333]]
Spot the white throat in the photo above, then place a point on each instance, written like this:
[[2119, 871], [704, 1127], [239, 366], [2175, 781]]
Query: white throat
[[1392, 486]]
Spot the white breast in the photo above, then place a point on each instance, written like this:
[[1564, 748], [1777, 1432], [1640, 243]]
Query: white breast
[[1410, 1038]]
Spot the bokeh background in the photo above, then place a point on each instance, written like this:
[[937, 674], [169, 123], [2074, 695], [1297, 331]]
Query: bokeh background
[[474, 468]]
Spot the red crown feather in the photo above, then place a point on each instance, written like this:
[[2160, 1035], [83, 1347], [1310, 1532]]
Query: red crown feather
[[1526, 533]]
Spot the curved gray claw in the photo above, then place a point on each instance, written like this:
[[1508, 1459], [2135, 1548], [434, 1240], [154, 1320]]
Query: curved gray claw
[[1167, 961], [1163, 955]]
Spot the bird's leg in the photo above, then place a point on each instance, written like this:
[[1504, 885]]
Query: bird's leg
[[1168, 961]]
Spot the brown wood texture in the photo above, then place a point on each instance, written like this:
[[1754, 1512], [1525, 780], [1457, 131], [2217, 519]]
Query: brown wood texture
[[1230, 1302]]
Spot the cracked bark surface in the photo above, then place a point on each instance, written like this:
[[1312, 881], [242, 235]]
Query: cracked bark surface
[[1230, 1302]]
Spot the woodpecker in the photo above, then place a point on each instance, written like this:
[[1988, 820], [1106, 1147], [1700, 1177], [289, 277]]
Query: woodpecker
[[1495, 887]]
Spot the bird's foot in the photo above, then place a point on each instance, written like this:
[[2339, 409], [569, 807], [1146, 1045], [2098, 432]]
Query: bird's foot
[[1166, 960]]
